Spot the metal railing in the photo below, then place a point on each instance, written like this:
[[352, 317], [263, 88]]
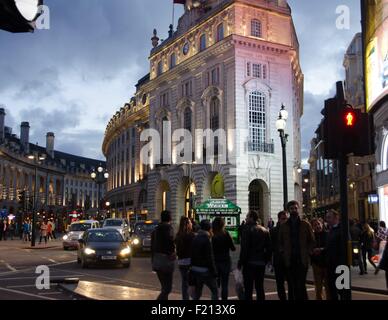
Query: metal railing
[[261, 147]]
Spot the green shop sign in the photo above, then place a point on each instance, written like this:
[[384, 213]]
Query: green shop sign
[[224, 208]]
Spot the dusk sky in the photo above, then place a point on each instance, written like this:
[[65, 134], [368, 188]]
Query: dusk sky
[[72, 78]]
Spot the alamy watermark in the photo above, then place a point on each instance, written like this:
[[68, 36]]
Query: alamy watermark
[[42, 282], [343, 17], [202, 146], [43, 20]]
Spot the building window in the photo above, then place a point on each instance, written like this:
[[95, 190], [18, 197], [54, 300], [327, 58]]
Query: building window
[[214, 114], [172, 60], [256, 30], [202, 42], [215, 76], [160, 68], [220, 32], [187, 121], [248, 69], [257, 70], [257, 118], [164, 100], [187, 89]]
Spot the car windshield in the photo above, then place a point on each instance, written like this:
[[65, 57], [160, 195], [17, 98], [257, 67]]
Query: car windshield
[[80, 226], [113, 223], [105, 236], [145, 228]]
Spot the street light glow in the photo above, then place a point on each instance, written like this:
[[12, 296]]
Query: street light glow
[[280, 124], [100, 169], [106, 175], [93, 175]]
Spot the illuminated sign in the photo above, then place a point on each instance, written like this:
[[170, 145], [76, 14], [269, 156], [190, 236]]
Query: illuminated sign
[[350, 119], [373, 198], [376, 59]]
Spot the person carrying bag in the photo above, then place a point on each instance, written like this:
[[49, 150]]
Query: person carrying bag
[[163, 254]]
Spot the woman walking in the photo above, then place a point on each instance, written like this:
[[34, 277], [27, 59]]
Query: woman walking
[[183, 242], [222, 245], [367, 238]]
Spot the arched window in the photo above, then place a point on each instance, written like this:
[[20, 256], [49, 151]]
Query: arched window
[[214, 114], [172, 60], [202, 42], [257, 120], [187, 119], [220, 32], [256, 30]]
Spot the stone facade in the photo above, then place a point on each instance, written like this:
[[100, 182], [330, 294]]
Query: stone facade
[[230, 65]]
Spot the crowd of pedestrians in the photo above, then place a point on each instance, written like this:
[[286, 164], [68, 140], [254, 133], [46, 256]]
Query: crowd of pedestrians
[[289, 248], [9, 230]]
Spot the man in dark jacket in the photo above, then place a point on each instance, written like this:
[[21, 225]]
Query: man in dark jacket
[[277, 260], [163, 254], [335, 253], [203, 266], [255, 253], [296, 243]]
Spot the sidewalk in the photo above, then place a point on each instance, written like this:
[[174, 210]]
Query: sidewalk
[[19, 244], [366, 283], [100, 291]]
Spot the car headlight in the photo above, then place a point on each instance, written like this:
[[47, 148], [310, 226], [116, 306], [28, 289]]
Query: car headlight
[[126, 251], [65, 237], [136, 241], [89, 251]]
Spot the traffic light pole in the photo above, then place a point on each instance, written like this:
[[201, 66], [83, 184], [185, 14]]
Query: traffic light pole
[[343, 161]]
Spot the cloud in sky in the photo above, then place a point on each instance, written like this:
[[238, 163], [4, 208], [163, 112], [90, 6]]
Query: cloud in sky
[[72, 78]]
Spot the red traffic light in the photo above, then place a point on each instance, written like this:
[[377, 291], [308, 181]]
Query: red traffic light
[[350, 119]]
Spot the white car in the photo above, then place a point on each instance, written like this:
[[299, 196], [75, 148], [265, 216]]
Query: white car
[[119, 224], [76, 231]]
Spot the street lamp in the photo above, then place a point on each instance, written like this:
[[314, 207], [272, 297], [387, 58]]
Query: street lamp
[[19, 15], [281, 124], [36, 159], [99, 177]]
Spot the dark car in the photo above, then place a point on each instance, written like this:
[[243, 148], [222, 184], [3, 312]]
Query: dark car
[[141, 236], [103, 246]]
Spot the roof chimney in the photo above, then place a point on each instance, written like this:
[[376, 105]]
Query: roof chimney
[[50, 137], [25, 136]]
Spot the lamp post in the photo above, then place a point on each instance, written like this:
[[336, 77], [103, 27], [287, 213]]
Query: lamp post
[[99, 177], [19, 15], [281, 124], [37, 160]]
